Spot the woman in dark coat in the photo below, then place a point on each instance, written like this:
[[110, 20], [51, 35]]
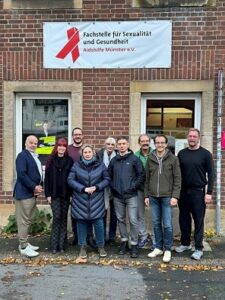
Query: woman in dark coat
[[88, 178], [58, 192]]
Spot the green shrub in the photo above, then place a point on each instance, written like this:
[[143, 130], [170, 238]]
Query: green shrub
[[40, 223], [11, 227]]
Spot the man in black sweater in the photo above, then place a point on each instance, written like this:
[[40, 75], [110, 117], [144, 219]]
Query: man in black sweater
[[197, 172]]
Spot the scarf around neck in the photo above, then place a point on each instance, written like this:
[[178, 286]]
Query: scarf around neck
[[89, 161]]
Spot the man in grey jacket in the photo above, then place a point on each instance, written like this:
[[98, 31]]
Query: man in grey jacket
[[162, 190]]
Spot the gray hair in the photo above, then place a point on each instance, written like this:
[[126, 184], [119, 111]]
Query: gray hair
[[110, 140]]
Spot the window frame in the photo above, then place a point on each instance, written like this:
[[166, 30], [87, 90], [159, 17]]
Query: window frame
[[33, 4], [172, 96]]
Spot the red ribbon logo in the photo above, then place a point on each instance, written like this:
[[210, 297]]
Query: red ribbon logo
[[71, 46]]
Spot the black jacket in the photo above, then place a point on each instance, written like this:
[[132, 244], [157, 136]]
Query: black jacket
[[127, 174], [56, 177]]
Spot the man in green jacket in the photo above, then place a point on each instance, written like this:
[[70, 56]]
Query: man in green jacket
[[162, 190], [143, 154]]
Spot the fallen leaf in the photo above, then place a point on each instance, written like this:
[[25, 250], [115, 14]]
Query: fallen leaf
[[7, 277], [34, 274], [80, 260], [117, 267]]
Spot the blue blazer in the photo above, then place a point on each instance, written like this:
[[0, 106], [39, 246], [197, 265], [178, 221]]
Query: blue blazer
[[28, 176]]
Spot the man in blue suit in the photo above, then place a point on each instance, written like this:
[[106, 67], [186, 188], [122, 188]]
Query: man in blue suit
[[27, 188]]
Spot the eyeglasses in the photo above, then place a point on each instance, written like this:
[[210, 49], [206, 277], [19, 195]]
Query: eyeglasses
[[160, 143]]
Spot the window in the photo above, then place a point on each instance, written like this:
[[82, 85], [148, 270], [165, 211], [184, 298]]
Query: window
[[45, 116], [172, 115], [173, 3], [41, 4]]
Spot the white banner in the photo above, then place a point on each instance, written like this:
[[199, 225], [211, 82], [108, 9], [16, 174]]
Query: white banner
[[139, 44]]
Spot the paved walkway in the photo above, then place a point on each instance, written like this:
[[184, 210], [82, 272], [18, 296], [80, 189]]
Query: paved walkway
[[214, 252]]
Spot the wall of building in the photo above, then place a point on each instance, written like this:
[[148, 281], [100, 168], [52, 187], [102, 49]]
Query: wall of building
[[198, 52]]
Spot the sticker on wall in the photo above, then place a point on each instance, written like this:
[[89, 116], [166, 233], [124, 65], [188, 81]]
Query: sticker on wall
[[223, 140]]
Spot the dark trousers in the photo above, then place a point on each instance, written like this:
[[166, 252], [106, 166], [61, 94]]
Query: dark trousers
[[74, 228], [192, 205], [60, 208], [112, 221]]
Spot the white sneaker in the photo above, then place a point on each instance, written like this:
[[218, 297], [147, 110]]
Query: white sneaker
[[167, 256], [155, 252], [197, 255], [28, 252], [182, 248], [35, 248]]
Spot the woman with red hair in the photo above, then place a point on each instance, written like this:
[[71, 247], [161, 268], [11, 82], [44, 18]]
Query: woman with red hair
[[58, 192]]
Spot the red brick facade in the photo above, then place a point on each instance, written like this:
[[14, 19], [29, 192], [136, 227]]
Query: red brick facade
[[198, 52]]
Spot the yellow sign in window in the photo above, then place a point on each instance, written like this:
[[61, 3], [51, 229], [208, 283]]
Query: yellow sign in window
[[46, 144]]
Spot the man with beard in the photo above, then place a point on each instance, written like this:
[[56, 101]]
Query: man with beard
[[143, 154], [197, 172], [74, 151], [74, 148]]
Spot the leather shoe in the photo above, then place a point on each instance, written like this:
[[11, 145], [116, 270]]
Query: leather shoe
[[123, 248], [134, 251]]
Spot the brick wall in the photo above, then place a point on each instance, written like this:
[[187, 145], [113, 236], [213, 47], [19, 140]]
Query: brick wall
[[198, 52]]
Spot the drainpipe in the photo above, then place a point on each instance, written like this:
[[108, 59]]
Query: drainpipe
[[219, 152]]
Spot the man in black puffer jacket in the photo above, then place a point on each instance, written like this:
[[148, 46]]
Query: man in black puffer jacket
[[127, 174]]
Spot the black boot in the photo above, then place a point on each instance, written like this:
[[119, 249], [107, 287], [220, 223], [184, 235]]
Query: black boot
[[123, 248], [134, 251]]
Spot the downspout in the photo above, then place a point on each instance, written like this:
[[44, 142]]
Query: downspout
[[219, 152]]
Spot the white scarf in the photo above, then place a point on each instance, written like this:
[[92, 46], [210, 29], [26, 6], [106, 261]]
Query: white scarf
[[107, 191], [107, 158]]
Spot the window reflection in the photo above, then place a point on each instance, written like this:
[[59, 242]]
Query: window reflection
[[48, 120], [170, 117]]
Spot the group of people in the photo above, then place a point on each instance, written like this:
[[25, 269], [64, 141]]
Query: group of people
[[117, 180]]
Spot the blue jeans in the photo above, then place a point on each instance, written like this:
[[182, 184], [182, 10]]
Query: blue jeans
[[82, 231], [162, 222]]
